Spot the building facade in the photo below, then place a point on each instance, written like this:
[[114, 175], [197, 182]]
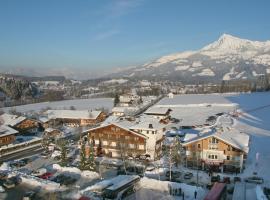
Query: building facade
[[116, 141], [218, 152]]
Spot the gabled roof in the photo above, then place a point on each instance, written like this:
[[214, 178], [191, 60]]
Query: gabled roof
[[232, 137], [6, 130], [157, 111], [146, 122], [72, 114], [11, 120], [120, 125]]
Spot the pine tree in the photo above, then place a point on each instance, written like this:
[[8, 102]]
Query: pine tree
[[83, 157], [63, 149], [91, 165], [176, 151], [116, 99]]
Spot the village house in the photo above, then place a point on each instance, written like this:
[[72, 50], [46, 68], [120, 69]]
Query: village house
[[130, 138], [155, 130], [128, 100], [7, 135], [117, 140], [20, 123], [223, 150], [76, 117], [122, 111], [158, 112], [52, 133]]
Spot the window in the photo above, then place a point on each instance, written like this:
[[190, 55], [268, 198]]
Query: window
[[229, 148], [213, 157], [136, 138], [214, 140], [127, 137], [147, 132], [228, 157], [199, 146], [153, 132]]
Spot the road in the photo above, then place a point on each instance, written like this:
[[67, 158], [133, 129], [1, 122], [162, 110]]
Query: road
[[21, 154]]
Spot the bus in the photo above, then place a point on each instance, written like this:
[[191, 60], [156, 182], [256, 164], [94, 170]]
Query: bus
[[217, 192], [121, 184]]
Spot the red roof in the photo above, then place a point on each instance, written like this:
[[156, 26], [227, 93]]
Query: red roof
[[215, 192]]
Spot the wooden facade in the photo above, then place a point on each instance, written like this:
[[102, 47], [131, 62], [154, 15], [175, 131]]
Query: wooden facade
[[117, 142], [27, 125], [215, 154], [5, 140], [79, 121]]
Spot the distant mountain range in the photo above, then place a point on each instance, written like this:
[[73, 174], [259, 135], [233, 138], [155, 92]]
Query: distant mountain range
[[228, 58]]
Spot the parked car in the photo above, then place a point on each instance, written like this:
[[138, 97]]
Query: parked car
[[188, 175], [39, 172], [9, 184], [175, 174], [254, 179], [46, 175], [215, 178], [150, 168], [26, 160], [236, 179], [3, 175], [29, 195], [226, 180], [2, 189]]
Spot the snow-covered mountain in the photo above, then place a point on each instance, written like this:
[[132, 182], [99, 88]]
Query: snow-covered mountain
[[227, 58]]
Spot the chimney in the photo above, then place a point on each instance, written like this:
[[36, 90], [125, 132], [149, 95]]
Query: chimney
[[150, 125]]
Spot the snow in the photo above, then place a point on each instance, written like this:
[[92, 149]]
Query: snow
[[79, 104], [114, 81], [205, 72], [181, 67], [256, 124], [154, 189], [259, 193], [229, 75], [75, 171], [5, 167]]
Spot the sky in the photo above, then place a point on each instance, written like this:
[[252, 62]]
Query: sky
[[102, 34]]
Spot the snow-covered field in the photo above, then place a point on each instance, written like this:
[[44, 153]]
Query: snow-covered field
[[79, 104], [255, 122]]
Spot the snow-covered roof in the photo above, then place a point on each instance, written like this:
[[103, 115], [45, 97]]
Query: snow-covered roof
[[124, 124], [48, 130], [72, 114], [6, 130], [157, 111], [230, 136], [147, 123], [120, 180], [189, 136], [186, 99], [11, 120], [43, 119]]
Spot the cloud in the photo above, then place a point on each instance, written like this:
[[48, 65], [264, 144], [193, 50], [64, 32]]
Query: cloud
[[106, 35]]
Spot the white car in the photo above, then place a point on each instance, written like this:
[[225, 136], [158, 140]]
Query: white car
[[2, 189]]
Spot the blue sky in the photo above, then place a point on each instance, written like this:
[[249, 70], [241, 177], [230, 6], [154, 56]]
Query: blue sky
[[95, 34]]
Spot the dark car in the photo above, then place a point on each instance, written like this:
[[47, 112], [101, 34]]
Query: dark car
[[188, 175], [215, 178], [226, 180], [174, 174], [236, 179], [254, 179], [29, 195]]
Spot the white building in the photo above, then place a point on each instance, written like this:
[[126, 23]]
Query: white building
[[155, 133]]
